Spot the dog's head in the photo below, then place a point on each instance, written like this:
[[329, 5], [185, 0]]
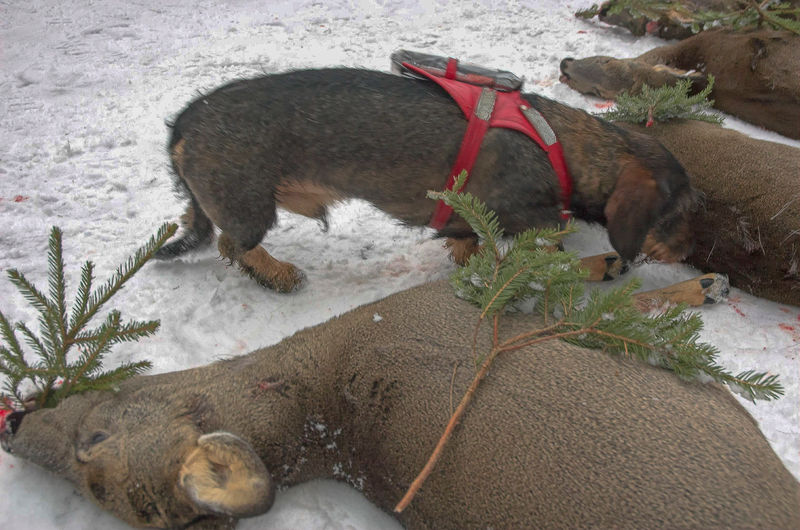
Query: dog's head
[[652, 206]]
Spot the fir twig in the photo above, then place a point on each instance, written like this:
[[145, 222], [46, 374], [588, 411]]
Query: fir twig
[[663, 104], [608, 321], [484, 222], [776, 14], [58, 333], [123, 273]]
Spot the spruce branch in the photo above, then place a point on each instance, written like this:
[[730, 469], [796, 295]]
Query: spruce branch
[[482, 221], [84, 292], [605, 320], [55, 260], [57, 373], [36, 344], [776, 14], [123, 273], [29, 291], [663, 104]]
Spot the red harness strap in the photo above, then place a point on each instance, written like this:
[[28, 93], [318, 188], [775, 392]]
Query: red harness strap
[[508, 110]]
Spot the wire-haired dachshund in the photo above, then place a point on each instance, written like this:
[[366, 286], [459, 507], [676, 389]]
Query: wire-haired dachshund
[[305, 139]]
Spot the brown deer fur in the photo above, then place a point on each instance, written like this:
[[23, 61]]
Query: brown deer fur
[[756, 74], [557, 436]]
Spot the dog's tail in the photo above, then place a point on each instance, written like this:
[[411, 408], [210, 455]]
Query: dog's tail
[[199, 228], [199, 233]]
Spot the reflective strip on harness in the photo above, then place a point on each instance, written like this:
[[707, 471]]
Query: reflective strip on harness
[[554, 153], [509, 111], [540, 124]]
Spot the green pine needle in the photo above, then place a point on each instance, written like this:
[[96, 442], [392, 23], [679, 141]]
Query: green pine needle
[[504, 273], [56, 373], [776, 14], [84, 292], [663, 104], [484, 222]]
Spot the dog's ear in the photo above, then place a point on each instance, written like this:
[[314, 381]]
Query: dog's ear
[[632, 209]]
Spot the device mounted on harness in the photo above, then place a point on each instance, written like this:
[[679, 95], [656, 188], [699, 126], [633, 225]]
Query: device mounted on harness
[[465, 72], [488, 98]]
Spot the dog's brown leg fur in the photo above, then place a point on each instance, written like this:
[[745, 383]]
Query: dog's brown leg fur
[[263, 268], [664, 250], [705, 289], [462, 248]]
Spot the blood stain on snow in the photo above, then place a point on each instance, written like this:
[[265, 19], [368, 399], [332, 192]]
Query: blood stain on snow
[[736, 308], [18, 198], [604, 105], [791, 330]]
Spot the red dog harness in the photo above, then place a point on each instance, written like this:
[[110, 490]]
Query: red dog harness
[[486, 107]]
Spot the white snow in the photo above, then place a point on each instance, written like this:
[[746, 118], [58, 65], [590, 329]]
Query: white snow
[[86, 88]]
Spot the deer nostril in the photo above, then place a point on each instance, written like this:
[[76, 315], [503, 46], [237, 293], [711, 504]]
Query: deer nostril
[[14, 420], [4, 438], [9, 427]]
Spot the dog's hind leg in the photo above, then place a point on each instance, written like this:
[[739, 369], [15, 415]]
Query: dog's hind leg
[[199, 228], [199, 233], [259, 265]]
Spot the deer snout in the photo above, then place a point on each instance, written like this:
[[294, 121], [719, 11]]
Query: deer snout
[[565, 63], [8, 427]]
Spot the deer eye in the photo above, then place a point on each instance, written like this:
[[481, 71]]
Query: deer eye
[[97, 437]]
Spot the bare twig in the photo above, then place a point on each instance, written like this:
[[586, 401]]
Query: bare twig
[[448, 432], [452, 384]]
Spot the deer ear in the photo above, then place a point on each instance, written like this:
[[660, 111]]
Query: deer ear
[[664, 75], [224, 475], [632, 209]]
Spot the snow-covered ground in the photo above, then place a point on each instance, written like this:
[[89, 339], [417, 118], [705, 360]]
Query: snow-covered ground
[[86, 89]]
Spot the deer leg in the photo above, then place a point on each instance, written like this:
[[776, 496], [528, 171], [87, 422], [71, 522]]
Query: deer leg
[[263, 268], [604, 267], [706, 289]]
